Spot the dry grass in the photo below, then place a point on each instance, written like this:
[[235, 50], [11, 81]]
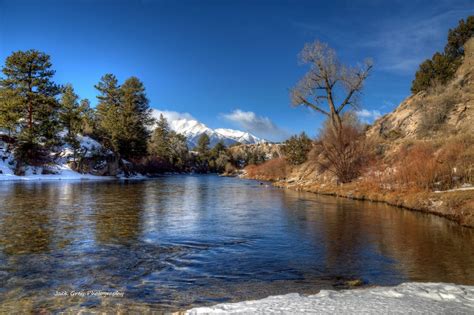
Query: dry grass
[[275, 169], [436, 106], [425, 165]]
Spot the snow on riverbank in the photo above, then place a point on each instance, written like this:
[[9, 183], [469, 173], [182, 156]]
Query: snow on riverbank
[[406, 298], [64, 173], [59, 170]]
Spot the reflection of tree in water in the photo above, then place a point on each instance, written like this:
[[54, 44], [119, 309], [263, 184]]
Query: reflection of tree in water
[[118, 212], [26, 222], [363, 239], [345, 239], [338, 234], [428, 248]]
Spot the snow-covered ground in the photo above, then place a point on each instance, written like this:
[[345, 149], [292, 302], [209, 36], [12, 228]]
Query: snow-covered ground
[[64, 172], [61, 169], [462, 188], [406, 298]]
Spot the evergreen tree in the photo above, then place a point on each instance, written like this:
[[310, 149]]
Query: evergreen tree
[[89, 121], [108, 112], [71, 115], [256, 156], [159, 145], [10, 114], [178, 150], [442, 66], [202, 159], [203, 145], [123, 116], [219, 158], [135, 119], [458, 36], [29, 93], [296, 148], [169, 146]]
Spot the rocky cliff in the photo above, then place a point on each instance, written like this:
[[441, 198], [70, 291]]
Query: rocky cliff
[[443, 110]]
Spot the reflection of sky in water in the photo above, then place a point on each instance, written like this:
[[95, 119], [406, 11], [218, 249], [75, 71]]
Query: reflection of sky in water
[[185, 240]]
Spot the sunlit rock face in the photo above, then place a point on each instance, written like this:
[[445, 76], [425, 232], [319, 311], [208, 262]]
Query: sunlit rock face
[[406, 121]]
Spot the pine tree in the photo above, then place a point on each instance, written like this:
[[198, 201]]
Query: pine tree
[[71, 116], [89, 121], [178, 150], [441, 68], [169, 146], [296, 148], [219, 157], [203, 157], [159, 145], [123, 116], [29, 93], [10, 114], [108, 112], [135, 119], [203, 145]]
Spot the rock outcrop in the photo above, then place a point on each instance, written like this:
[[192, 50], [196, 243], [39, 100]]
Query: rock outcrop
[[446, 110]]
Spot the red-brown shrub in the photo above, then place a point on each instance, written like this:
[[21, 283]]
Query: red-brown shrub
[[274, 169], [431, 165]]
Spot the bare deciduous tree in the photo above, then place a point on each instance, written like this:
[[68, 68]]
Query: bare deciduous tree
[[329, 86]]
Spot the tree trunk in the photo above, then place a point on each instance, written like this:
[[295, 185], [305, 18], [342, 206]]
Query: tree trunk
[[30, 116]]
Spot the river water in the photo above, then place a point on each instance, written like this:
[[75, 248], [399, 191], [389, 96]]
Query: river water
[[176, 242]]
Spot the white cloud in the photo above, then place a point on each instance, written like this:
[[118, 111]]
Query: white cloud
[[258, 125], [171, 115], [368, 115]]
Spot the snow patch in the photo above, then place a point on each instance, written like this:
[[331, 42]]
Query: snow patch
[[406, 298], [60, 170], [464, 187]]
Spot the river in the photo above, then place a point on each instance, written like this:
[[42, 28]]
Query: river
[[176, 242]]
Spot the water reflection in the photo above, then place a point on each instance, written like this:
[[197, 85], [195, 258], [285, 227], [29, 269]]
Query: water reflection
[[118, 220], [179, 241]]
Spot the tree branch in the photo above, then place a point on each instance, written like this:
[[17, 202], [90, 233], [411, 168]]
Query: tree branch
[[316, 108]]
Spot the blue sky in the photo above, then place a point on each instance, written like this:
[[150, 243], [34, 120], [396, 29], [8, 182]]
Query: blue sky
[[230, 63]]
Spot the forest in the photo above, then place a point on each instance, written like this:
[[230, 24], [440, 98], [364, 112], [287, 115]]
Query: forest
[[40, 118]]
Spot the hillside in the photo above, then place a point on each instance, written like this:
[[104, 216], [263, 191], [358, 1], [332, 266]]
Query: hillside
[[445, 110]]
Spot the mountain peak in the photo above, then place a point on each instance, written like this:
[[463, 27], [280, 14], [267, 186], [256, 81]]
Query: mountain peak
[[193, 129]]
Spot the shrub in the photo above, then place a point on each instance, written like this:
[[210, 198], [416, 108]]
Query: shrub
[[296, 149], [274, 169], [342, 153], [437, 70], [436, 106], [430, 165], [151, 165], [417, 166], [31, 153]]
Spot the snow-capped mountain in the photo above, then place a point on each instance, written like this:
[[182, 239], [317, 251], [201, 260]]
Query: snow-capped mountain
[[193, 129]]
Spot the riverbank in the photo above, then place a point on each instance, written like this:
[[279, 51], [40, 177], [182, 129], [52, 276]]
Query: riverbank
[[456, 204], [434, 298]]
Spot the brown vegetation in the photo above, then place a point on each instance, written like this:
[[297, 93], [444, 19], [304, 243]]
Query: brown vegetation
[[275, 169], [435, 107], [426, 165], [342, 153], [405, 175]]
